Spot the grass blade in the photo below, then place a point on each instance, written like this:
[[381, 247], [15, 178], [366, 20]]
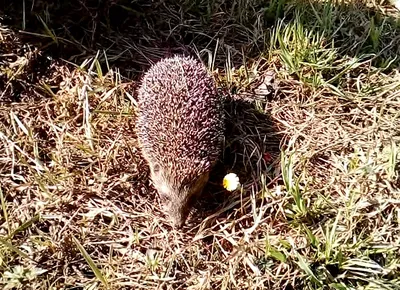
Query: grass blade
[[91, 263]]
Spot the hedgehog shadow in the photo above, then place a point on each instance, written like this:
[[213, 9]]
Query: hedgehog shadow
[[252, 147]]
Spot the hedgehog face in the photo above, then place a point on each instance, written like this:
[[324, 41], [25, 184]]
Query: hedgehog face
[[177, 197]]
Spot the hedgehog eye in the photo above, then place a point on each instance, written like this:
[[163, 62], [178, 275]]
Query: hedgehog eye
[[156, 168], [164, 197]]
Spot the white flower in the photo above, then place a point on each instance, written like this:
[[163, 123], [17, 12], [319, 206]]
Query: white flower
[[395, 3], [231, 182]]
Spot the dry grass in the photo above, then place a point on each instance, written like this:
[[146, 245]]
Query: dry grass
[[313, 95]]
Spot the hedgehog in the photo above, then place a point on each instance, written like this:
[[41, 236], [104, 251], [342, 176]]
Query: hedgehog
[[180, 127]]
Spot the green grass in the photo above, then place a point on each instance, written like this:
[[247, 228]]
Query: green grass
[[313, 133]]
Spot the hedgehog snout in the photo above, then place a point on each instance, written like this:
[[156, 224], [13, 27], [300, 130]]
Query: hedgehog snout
[[174, 202], [181, 206], [177, 204], [178, 199], [178, 213]]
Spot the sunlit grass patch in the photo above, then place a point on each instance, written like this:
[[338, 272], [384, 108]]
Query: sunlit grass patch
[[312, 92]]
